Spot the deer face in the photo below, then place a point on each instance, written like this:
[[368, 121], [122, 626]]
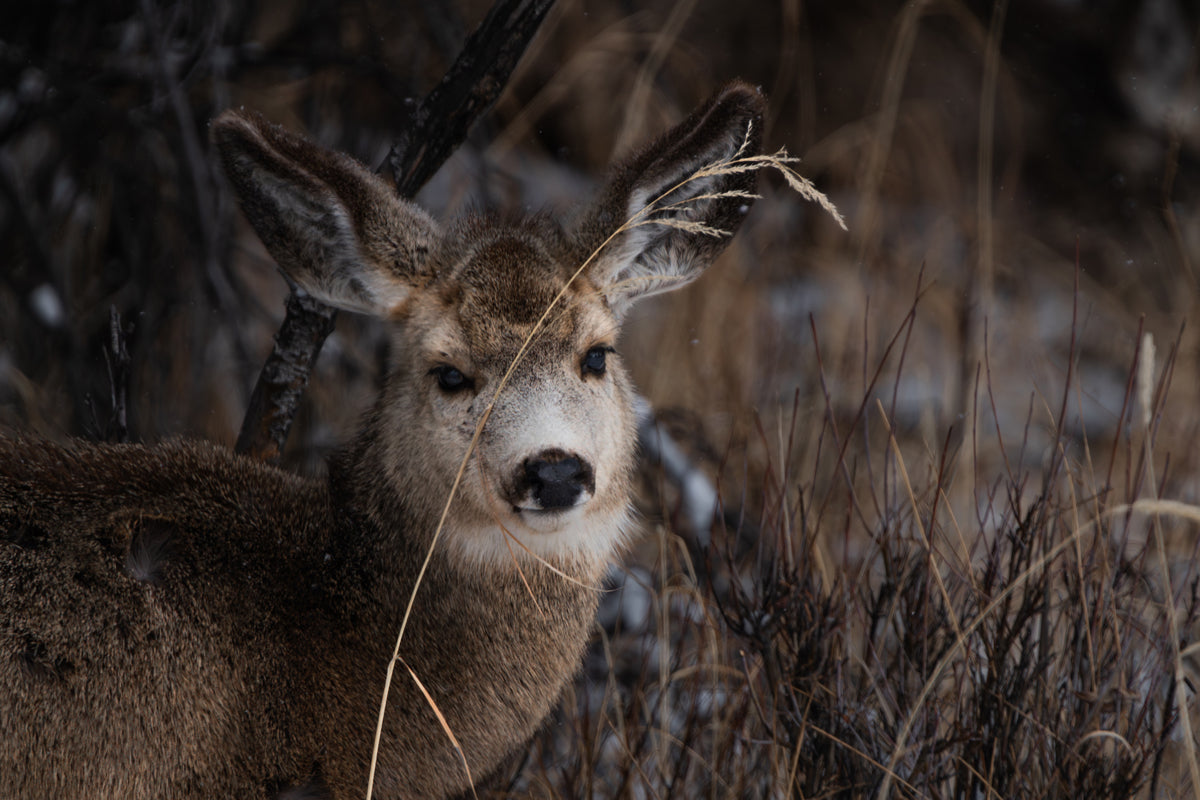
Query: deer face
[[505, 379], [554, 456]]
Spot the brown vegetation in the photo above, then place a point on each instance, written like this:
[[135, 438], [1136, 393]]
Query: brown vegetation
[[931, 568]]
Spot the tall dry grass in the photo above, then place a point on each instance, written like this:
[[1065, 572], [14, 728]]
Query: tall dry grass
[[968, 592], [1026, 648]]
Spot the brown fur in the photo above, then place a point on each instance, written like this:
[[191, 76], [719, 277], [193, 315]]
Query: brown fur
[[178, 621]]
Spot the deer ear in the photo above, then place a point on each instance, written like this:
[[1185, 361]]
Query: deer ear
[[336, 229], [676, 222]]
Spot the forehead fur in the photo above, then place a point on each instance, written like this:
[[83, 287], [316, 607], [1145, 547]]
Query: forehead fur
[[509, 272]]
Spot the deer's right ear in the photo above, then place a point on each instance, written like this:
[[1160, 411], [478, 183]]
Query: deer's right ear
[[336, 229]]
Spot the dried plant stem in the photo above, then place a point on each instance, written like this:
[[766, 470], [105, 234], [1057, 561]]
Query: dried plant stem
[[737, 163], [1089, 639], [663, 44], [1155, 507], [487, 412], [888, 769], [889, 108], [1145, 382], [926, 538], [445, 726], [436, 128], [868, 225], [1116, 737], [1171, 168], [981, 282]]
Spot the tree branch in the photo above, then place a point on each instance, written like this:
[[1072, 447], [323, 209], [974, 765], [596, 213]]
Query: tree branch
[[438, 126], [281, 383]]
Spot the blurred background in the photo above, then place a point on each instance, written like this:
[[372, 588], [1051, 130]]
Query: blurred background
[[1036, 207], [1020, 181], [987, 189]]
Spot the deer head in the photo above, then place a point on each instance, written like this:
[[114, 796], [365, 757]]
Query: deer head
[[508, 328]]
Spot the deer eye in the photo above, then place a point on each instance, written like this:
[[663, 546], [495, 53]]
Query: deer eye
[[450, 379], [594, 361]]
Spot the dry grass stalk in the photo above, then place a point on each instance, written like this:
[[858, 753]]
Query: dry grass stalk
[[738, 163]]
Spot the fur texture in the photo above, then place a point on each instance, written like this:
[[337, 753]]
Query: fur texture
[[177, 621]]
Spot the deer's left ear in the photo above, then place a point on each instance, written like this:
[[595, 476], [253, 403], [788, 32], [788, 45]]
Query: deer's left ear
[[678, 214]]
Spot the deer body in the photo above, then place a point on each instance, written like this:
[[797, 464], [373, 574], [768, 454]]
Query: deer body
[[177, 621]]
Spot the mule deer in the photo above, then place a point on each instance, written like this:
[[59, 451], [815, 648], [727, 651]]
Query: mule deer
[[179, 621]]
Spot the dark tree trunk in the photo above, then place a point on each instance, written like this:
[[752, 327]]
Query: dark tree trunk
[[437, 127]]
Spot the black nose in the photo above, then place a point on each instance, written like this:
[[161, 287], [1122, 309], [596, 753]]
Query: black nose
[[556, 479]]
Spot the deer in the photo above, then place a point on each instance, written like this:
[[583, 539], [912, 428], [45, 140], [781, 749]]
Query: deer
[[180, 621]]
